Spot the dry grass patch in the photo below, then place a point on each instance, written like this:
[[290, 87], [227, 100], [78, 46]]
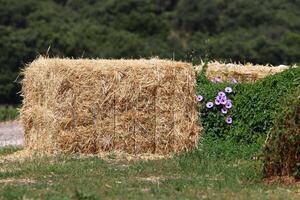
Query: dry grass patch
[[17, 181]]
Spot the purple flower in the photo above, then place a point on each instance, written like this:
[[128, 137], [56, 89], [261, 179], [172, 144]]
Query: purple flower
[[229, 120], [218, 80], [199, 98], [209, 104], [228, 104], [223, 101], [228, 90], [217, 101], [234, 81], [222, 94], [224, 110], [220, 97]]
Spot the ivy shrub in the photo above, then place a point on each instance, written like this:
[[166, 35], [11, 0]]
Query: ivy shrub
[[253, 108], [282, 148]]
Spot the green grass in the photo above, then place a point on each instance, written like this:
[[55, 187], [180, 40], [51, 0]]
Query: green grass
[[7, 151], [217, 170], [8, 113]]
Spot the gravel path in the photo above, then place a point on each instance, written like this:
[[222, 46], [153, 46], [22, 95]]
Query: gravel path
[[11, 134]]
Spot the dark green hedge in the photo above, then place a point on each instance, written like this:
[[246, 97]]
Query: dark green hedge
[[253, 109]]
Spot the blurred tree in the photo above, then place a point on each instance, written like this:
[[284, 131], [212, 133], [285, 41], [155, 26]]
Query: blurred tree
[[257, 31]]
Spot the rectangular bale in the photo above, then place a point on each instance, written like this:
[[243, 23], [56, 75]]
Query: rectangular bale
[[243, 73], [99, 106]]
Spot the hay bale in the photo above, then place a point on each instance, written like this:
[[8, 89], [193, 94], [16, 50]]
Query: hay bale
[[242, 73], [95, 106]]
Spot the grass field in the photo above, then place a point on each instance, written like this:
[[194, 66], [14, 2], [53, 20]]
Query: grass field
[[217, 170], [8, 113]]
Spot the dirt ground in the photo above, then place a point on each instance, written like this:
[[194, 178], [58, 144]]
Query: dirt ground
[[11, 134]]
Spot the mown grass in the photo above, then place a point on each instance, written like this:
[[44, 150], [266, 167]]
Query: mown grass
[[8, 113], [8, 150], [217, 170]]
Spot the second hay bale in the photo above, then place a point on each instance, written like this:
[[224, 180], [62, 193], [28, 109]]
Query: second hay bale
[[242, 73], [95, 106]]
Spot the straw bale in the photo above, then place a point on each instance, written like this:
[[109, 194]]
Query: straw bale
[[95, 106], [242, 73]]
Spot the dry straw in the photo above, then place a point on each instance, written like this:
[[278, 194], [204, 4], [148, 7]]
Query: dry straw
[[95, 106], [242, 73]]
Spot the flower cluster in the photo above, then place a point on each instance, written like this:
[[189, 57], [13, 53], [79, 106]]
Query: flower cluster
[[221, 102]]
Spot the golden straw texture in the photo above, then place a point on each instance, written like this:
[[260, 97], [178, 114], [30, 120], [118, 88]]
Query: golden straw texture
[[242, 73], [95, 106]]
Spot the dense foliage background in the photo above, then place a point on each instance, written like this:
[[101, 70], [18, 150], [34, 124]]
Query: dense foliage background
[[238, 30]]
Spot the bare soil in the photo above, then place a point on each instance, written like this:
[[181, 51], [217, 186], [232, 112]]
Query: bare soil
[[11, 134]]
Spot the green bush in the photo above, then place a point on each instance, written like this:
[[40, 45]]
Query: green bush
[[8, 113], [282, 149], [213, 121], [253, 109]]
